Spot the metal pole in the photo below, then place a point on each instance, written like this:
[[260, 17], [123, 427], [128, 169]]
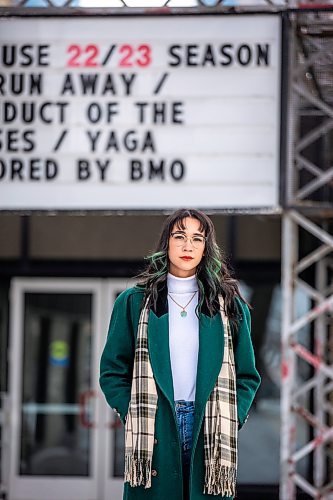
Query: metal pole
[[288, 427]]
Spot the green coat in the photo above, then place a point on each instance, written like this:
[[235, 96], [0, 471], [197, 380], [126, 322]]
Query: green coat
[[115, 380]]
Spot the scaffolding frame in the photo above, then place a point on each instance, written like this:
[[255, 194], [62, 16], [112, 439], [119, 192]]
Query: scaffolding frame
[[128, 6], [307, 399]]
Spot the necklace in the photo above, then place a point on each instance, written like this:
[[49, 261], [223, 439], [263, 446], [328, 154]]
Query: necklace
[[183, 313]]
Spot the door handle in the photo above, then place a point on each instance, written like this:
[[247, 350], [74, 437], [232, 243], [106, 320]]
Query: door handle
[[84, 399]]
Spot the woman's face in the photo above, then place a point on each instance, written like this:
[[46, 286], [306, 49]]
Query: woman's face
[[180, 267]]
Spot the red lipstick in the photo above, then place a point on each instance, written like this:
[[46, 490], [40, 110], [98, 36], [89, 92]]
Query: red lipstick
[[187, 258]]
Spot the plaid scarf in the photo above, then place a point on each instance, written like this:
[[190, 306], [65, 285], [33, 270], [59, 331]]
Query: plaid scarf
[[220, 423]]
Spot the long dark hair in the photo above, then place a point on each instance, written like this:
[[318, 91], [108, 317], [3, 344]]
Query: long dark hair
[[214, 274]]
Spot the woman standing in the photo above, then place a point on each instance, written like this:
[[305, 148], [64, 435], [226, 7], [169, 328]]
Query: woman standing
[[179, 369]]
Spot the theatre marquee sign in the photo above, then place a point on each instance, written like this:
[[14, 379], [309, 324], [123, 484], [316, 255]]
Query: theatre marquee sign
[[139, 112]]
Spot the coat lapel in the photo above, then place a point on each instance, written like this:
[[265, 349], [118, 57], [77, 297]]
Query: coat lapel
[[211, 347], [158, 345]]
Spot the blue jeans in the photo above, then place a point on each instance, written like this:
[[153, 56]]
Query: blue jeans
[[185, 416]]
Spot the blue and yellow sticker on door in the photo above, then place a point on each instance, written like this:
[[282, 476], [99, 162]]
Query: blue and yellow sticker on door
[[59, 353]]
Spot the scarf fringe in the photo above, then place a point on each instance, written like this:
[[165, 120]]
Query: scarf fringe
[[137, 471], [220, 479]]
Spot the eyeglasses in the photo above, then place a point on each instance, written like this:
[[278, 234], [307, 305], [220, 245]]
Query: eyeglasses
[[180, 239]]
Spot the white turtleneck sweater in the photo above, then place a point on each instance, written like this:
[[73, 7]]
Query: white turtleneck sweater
[[183, 336]]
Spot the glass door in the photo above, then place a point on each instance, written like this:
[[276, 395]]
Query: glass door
[[65, 441], [53, 375], [114, 439]]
